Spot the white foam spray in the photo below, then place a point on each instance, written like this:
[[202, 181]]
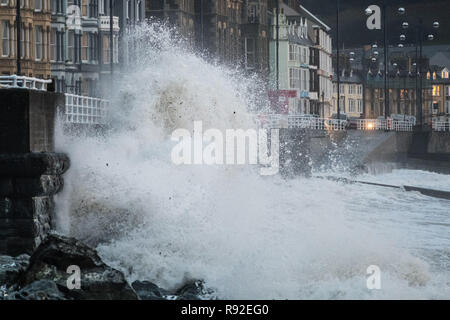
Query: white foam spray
[[245, 235]]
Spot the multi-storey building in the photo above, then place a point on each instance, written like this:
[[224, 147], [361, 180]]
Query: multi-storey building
[[351, 94], [80, 45], [304, 60], [439, 106], [131, 13], [179, 13], [219, 29], [35, 38], [321, 59], [255, 36], [293, 63]]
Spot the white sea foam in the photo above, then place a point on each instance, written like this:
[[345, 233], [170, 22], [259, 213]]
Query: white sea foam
[[245, 235]]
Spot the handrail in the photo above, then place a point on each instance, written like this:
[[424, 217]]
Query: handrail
[[15, 81], [86, 110]]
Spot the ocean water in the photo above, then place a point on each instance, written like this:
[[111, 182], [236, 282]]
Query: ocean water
[[246, 236]]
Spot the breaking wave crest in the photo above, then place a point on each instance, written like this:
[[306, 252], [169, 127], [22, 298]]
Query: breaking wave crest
[[245, 235]]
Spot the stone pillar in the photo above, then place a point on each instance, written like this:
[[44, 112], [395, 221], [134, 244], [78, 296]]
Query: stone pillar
[[30, 171]]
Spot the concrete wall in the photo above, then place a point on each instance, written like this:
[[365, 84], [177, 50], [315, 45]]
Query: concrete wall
[[30, 171], [27, 120]]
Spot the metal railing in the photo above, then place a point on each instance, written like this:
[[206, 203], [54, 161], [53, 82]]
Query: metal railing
[[15, 81], [384, 124], [314, 123], [300, 122], [87, 110], [441, 125]]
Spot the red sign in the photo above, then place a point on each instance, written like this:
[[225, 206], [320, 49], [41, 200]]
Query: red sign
[[279, 100]]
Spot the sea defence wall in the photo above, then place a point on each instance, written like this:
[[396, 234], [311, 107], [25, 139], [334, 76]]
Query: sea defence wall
[[361, 151], [30, 170]]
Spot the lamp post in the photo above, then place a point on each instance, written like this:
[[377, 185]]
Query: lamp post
[[111, 37], [419, 36], [384, 12], [338, 71], [19, 25], [277, 36]]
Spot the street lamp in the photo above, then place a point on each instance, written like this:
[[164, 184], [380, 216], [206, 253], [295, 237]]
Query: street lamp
[[18, 27], [400, 11], [419, 31]]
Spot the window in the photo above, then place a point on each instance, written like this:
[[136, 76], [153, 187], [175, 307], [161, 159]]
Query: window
[[38, 42], [436, 91], [447, 107], [360, 88], [304, 80], [5, 38], [71, 46], [105, 49], [447, 91], [128, 9], [291, 52], [84, 47], [84, 8], [351, 105], [22, 41], [38, 5], [27, 41], [360, 106], [101, 7], [53, 44], [93, 47], [250, 53], [351, 89], [294, 78], [4, 2], [444, 74]]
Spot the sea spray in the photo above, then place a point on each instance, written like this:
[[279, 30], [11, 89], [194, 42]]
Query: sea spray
[[245, 235]]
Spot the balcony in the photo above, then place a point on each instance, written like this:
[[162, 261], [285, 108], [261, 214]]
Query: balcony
[[103, 22]]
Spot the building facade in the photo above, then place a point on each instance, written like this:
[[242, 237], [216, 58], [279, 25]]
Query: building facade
[[351, 95], [34, 38], [293, 63], [304, 61], [80, 45], [179, 13], [255, 36]]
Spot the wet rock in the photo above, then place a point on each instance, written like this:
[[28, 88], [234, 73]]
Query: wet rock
[[38, 290], [11, 268], [192, 290], [147, 290], [56, 254]]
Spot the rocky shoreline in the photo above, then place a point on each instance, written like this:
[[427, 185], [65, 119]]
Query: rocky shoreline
[[63, 268]]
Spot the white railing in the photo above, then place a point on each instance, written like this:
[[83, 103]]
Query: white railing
[[15, 81], [300, 122], [314, 123], [87, 110], [441, 125], [384, 124]]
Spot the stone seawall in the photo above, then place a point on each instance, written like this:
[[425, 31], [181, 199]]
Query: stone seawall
[[30, 170]]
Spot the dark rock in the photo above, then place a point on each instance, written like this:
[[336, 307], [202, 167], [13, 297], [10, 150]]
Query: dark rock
[[192, 290], [147, 290], [33, 164], [56, 253], [11, 268], [38, 290]]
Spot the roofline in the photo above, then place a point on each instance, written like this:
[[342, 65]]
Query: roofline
[[318, 20]]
